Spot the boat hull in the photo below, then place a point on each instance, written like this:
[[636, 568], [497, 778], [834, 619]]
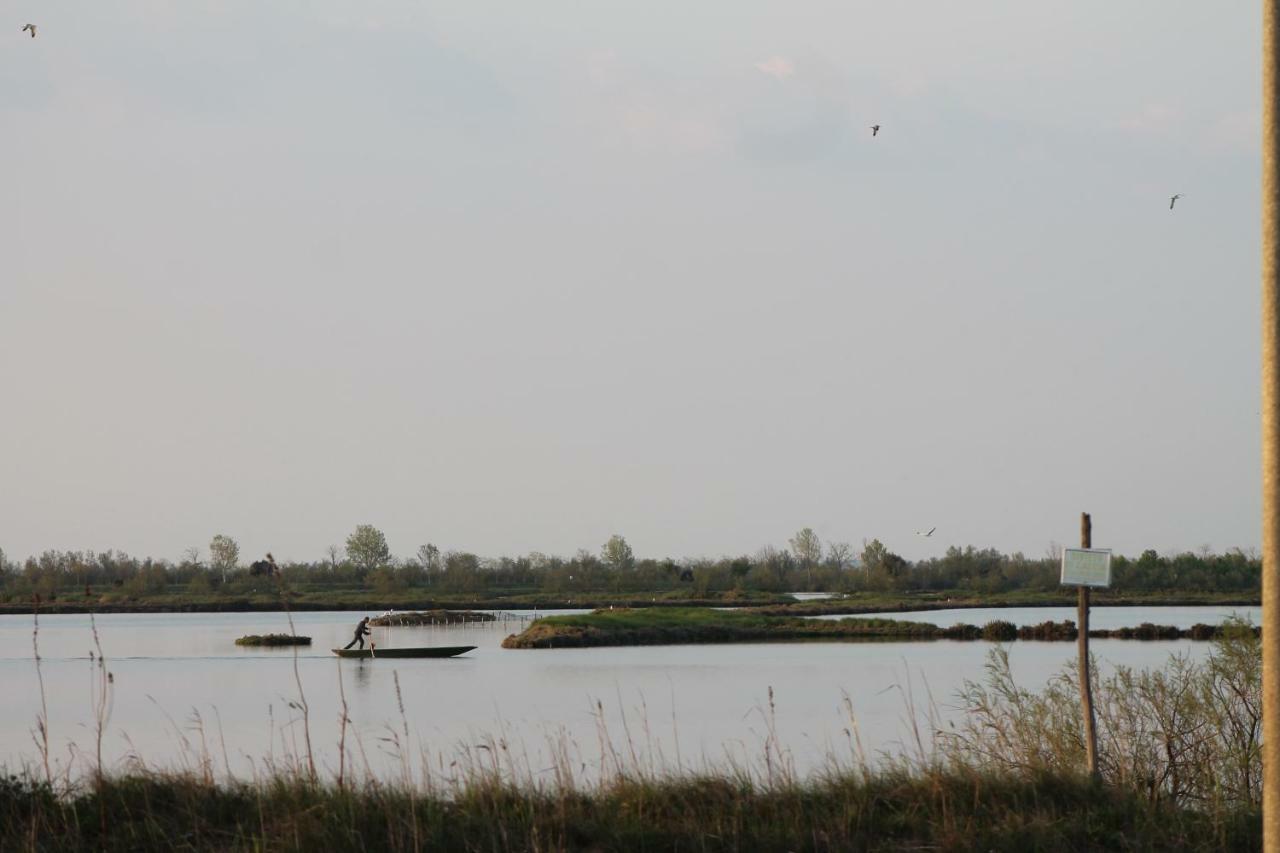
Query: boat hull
[[419, 652]]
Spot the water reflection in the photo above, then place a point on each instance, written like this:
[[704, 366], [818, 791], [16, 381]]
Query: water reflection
[[363, 672], [1099, 617]]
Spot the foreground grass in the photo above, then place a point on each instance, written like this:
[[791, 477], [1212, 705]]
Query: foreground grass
[[672, 626], [890, 811]]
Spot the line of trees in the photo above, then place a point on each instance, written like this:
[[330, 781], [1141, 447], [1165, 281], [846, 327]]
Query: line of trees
[[366, 561]]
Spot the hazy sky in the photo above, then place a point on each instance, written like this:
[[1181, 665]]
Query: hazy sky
[[517, 276]]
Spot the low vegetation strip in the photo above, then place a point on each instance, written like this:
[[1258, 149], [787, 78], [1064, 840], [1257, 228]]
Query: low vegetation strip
[[891, 811], [678, 626], [273, 640]]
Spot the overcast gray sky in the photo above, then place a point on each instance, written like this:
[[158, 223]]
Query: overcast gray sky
[[517, 276]]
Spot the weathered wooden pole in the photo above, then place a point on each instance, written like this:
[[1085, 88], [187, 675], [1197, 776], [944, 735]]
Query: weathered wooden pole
[[1270, 435], [1082, 649]]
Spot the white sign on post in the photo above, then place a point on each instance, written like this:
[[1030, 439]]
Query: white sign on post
[[1086, 567]]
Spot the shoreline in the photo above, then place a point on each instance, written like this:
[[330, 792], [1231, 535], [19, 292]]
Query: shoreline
[[817, 607]]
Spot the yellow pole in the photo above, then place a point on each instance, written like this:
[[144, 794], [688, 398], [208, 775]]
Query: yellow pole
[[1270, 437]]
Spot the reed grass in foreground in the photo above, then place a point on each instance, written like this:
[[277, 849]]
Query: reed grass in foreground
[[889, 811]]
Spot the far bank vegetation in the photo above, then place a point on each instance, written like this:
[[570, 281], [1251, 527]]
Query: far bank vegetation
[[365, 568]]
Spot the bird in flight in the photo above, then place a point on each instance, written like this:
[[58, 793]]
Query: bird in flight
[[32, 28], [1174, 200], [926, 533], [875, 128]]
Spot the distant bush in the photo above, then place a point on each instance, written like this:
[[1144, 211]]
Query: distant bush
[[1065, 630], [1000, 631], [962, 631], [1201, 631]]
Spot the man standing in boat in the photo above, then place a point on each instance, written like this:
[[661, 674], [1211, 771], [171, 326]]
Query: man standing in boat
[[362, 631]]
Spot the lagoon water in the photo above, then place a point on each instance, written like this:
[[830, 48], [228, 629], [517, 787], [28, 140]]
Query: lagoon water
[[1099, 617], [688, 706]]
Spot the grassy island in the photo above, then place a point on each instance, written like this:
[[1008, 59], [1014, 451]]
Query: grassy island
[[273, 640], [676, 626]]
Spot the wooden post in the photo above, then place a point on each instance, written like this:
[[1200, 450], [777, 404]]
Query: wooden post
[[1082, 648], [1270, 427]]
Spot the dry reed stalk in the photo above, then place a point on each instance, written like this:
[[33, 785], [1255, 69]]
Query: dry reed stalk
[[343, 719], [41, 735], [206, 758], [778, 764], [226, 762], [675, 728], [606, 745], [364, 756], [854, 733], [104, 700], [626, 729], [302, 695], [407, 773]]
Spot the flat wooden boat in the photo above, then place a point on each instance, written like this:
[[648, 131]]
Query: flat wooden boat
[[406, 652]]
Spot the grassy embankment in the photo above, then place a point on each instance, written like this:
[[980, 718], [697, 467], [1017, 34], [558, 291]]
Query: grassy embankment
[[671, 626], [889, 811], [267, 597]]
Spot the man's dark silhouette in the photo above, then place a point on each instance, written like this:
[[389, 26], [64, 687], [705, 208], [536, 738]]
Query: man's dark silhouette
[[362, 631]]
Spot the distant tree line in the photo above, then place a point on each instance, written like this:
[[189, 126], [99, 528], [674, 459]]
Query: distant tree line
[[365, 562]]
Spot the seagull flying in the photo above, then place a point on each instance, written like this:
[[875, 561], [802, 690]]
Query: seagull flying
[[1174, 200], [32, 28], [926, 533], [875, 128]]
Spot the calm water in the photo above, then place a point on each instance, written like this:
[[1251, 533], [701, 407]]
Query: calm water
[[688, 704], [1099, 617]]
